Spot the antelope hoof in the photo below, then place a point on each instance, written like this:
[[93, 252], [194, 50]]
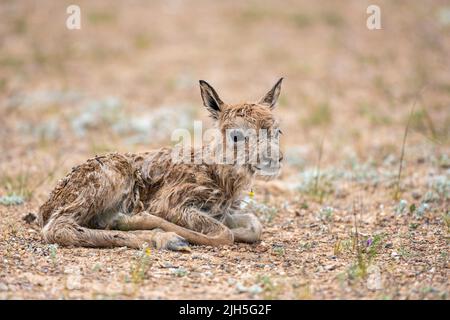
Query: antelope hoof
[[179, 245], [171, 241]]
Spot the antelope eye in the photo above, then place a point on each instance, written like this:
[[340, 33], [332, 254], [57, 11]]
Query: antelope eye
[[236, 135]]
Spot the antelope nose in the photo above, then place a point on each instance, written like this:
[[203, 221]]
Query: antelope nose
[[281, 157], [267, 163]]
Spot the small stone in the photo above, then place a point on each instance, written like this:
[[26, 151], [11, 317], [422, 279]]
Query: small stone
[[128, 288], [416, 195], [3, 286], [374, 278], [29, 217], [167, 265], [73, 282], [255, 289], [208, 274], [389, 245], [72, 270], [330, 267], [35, 278]]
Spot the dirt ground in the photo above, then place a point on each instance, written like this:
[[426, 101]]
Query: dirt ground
[[338, 222]]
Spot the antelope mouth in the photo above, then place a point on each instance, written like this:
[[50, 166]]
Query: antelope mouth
[[267, 171]]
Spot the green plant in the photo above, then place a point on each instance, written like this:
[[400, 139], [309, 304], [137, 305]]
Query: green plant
[[301, 20], [446, 219], [20, 187], [17, 185], [53, 249], [11, 200], [266, 282], [265, 212], [413, 225], [326, 214], [320, 116], [97, 267], [306, 246], [316, 184], [319, 186], [142, 41], [102, 17], [333, 19], [373, 245], [365, 251], [401, 206], [279, 250], [374, 117], [423, 123], [404, 252], [179, 272], [270, 289], [141, 265]]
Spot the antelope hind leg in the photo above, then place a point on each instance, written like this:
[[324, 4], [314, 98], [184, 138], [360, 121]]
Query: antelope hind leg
[[245, 227]]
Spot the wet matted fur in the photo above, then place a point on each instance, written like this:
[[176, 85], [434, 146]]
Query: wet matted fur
[[132, 199]]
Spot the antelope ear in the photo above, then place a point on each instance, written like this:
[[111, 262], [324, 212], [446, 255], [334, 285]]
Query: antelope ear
[[211, 99], [271, 97]]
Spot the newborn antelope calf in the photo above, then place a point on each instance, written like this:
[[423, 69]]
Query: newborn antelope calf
[[132, 199]]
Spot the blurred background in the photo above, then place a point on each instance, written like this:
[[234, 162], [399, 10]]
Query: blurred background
[[130, 75]]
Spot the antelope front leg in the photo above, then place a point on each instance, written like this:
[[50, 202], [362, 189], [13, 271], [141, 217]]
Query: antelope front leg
[[213, 232], [245, 227], [66, 232]]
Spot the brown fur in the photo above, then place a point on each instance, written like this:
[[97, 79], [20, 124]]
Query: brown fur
[[132, 199]]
